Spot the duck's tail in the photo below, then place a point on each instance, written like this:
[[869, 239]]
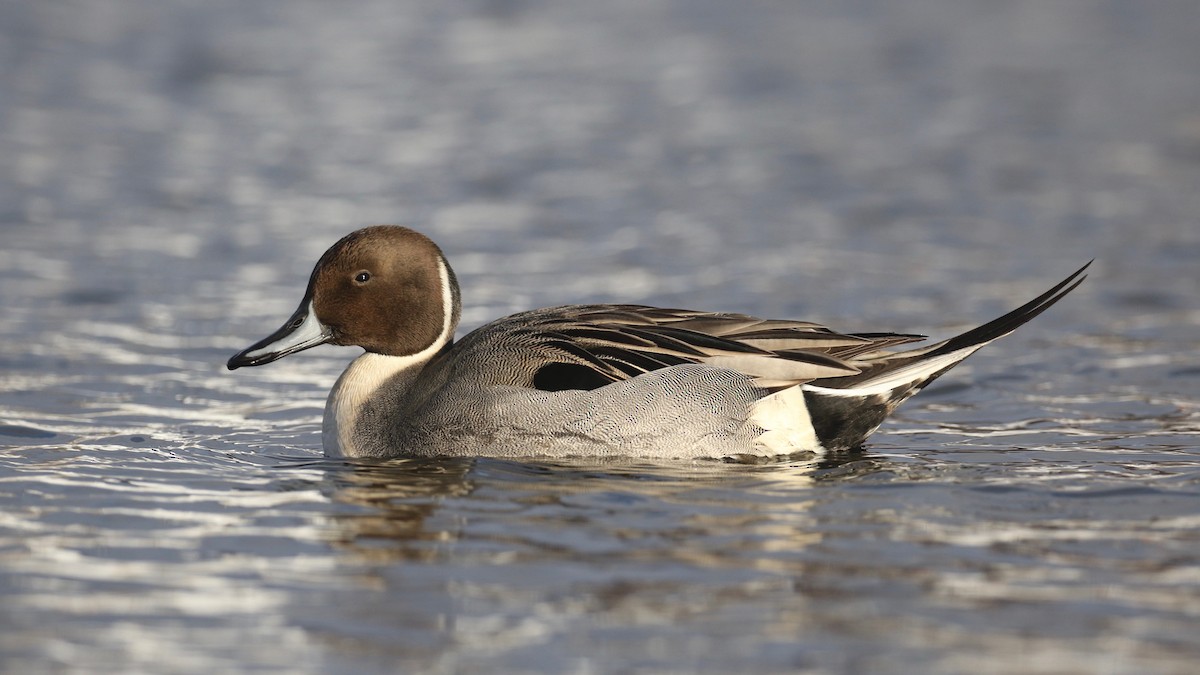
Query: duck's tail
[[845, 410]]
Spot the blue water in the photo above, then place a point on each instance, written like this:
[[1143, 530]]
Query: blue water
[[170, 170]]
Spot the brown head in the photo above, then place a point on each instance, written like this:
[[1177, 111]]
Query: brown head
[[387, 289]]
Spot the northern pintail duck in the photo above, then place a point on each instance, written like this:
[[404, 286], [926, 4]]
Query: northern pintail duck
[[590, 380]]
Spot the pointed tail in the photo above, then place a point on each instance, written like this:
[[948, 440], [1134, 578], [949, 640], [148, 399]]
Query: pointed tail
[[845, 410]]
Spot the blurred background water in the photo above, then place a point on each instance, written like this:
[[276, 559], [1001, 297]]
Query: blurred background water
[[171, 169]]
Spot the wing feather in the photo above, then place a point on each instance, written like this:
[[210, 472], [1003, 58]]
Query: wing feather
[[623, 341]]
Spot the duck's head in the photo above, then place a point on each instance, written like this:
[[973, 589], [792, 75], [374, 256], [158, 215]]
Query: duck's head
[[387, 289]]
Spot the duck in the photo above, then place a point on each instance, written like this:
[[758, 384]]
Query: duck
[[595, 380]]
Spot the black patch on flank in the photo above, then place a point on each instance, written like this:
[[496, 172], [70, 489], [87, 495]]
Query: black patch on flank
[[564, 376], [844, 422]]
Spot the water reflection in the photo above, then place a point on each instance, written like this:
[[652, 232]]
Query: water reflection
[[492, 557], [504, 511], [396, 499], [478, 558]]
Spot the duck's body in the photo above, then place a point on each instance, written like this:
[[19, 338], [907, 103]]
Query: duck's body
[[589, 380]]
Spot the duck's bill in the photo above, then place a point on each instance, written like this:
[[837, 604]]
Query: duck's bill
[[300, 332]]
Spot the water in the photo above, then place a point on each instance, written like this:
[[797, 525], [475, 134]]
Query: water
[[171, 170]]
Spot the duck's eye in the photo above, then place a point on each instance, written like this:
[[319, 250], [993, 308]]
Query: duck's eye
[[362, 277]]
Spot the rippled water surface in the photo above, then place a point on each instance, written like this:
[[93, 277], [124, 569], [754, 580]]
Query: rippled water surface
[[169, 171]]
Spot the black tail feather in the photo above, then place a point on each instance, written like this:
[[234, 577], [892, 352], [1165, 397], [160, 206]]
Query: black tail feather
[[1014, 319]]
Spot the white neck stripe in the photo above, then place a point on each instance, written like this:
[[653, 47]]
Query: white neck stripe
[[447, 305]]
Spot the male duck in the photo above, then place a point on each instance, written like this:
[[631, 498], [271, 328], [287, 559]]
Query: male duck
[[590, 380]]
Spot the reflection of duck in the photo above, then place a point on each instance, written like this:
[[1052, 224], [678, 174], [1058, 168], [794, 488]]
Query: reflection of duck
[[484, 556], [594, 380], [543, 510], [396, 496]]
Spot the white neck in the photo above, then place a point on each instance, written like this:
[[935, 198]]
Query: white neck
[[361, 383]]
